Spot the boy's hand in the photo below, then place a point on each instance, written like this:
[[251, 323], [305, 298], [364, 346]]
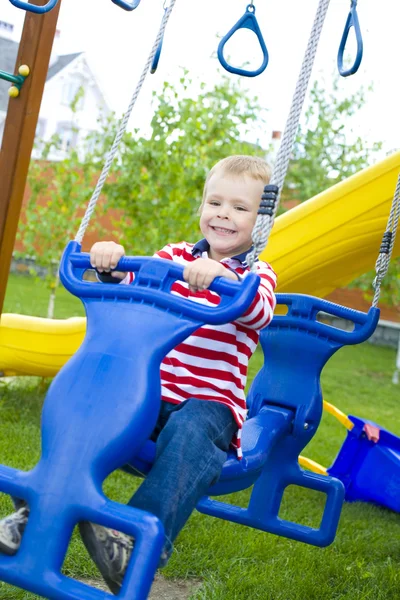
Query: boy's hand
[[104, 256], [201, 273]]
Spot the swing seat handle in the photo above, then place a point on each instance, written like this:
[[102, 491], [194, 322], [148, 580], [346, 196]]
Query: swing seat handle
[[303, 311], [39, 10], [152, 285]]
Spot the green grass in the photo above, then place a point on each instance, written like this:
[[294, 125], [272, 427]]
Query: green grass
[[28, 296], [238, 563]]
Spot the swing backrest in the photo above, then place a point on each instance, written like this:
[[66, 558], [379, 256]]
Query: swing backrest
[[285, 405], [284, 400], [296, 347]]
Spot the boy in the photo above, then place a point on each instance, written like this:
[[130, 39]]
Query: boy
[[202, 379]]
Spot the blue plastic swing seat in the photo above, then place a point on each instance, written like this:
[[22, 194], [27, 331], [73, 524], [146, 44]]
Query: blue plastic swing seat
[[93, 425], [285, 408], [369, 470]]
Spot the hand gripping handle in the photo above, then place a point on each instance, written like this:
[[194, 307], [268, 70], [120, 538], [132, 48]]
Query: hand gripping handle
[[152, 285], [40, 10]]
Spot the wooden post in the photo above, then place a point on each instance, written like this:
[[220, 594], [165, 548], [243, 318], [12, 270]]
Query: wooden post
[[19, 129]]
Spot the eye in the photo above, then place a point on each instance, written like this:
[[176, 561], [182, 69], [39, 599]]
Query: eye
[[214, 203], [241, 208]]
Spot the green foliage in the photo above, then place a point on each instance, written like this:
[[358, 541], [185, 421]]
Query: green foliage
[[28, 296], [59, 193], [158, 180], [326, 150], [390, 289]]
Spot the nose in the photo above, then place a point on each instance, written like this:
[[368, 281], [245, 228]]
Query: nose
[[223, 211]]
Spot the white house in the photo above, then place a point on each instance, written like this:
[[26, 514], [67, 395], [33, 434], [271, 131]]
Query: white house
[[66, 75]]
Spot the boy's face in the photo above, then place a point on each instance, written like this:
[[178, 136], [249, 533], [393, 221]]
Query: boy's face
[[229, 213]]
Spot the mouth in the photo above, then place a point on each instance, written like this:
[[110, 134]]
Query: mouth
[[223, 230]]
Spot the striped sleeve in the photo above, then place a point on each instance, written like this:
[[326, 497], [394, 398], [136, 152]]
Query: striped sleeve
[[260, 312], [181, 252], [168, 252]]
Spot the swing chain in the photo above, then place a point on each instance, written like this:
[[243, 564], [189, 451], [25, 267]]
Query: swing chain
[[122, 127], [387, 245], [264, 222]]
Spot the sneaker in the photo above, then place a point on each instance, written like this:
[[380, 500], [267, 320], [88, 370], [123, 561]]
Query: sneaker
[[11, 530], [110, 550]]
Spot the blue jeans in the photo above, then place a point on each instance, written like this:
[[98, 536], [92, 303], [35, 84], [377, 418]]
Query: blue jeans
[[192, 440]]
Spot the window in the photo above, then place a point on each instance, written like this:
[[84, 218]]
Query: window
[[68, 136], [6, 26], [2, 124], [40, 129], [69, 92]]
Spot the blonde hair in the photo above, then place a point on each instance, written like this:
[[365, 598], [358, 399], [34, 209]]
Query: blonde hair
[[252, 166]]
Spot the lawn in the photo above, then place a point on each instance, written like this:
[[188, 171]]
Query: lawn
[[231, 561], [28, 296]]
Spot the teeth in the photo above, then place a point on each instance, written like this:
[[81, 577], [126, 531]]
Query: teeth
[[223, 230]]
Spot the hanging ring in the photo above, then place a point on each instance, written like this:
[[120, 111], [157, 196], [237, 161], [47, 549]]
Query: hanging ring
[[247, 21], [39, 10], [352, 21], [127, 5]]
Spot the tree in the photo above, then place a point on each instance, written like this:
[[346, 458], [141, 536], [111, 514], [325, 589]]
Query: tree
[[324, 152], [59, 193], [390, 289], [158, 180]]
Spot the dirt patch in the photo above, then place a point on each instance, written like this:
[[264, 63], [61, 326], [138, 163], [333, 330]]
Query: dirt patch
[[167, 589], [162, 589]]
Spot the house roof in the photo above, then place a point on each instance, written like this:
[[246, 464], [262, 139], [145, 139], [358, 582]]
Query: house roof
[[8, 56], [60, 64]]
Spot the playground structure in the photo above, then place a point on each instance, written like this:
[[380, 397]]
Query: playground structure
[[282, 418], [333, 238], [367, 463]]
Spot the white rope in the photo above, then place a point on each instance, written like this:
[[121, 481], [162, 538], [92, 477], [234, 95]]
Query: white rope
[[263, 224], [122, 128], [389, 237]]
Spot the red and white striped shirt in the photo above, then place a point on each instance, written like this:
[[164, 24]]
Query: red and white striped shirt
[[211, 364]]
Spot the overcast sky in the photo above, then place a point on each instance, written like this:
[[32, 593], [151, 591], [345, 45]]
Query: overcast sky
[[117, 44]]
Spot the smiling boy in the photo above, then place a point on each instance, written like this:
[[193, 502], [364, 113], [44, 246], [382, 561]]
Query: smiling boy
[[202, 380]]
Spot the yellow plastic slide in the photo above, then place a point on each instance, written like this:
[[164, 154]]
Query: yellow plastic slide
[[328, 241], [316, 247]]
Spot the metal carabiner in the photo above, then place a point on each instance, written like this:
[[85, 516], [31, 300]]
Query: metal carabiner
[[352, 21], [39, 10], [247, 21], [127, 5]]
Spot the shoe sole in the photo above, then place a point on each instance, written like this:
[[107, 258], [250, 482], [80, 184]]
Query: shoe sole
[[89, 539], [7, 550]]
